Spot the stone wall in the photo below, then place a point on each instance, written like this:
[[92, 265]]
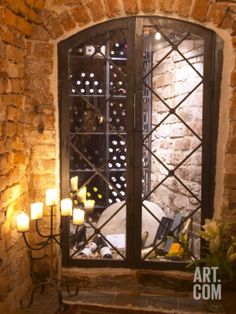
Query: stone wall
[[15, 153], [173, 141], [29, 35]]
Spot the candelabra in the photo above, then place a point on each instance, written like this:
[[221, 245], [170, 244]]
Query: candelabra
[[48, 239]]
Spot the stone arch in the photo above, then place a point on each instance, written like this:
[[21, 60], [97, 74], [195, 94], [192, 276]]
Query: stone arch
[[60, 19], [30, 30]]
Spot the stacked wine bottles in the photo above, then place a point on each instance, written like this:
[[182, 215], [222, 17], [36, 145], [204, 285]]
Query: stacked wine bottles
[[87, 84], [98, 244], [98, 107], [118, 86], [119, 50]]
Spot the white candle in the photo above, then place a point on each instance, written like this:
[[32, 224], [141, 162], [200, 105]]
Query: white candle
[[74, 183], [89, 206], [51, 197], [78, 216], [66, 207], [22, 222], [82, 194], [36, 210]]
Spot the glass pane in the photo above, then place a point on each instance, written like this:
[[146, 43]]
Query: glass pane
[[172, 154], [98, 124]]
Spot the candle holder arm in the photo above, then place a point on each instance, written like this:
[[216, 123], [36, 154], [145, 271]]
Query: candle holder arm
[[31, 299], [38, 230], [41, 287], [34, 248], [43, 235]]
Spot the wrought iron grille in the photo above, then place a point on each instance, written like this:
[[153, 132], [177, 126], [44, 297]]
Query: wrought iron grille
[[98, 127], [177, 56], [138, 128]]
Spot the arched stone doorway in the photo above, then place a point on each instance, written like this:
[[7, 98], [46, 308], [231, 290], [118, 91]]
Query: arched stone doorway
[[29, 128], [138, 123]]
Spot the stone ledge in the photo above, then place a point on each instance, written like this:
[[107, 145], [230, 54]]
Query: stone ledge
[[173, 280], [132, 280]]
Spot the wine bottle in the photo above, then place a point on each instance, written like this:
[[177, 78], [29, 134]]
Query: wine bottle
[[95, 86], [80, 51], [149, 251], [117, 86], [184, 233], [91, 247], [105, 251], [144, 238], [79, 237], [119, 49]]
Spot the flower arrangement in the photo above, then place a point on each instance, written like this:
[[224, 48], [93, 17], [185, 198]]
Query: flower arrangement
[[221, 246]]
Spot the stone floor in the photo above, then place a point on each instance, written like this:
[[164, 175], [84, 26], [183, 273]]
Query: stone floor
[[163, 303], [159, 292], [43, 304]]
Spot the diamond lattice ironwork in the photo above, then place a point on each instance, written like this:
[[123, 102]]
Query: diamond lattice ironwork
[[138, 120], [174, 138]]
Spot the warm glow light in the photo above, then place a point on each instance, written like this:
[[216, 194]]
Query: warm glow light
[[36, 210], [22, 222], [158, 36], [89, 206], [74, 183], [51, 197], [78, 216], [82, 194], [66, 207]]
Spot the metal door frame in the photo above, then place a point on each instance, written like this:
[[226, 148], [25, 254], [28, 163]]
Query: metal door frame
[[213, 47]]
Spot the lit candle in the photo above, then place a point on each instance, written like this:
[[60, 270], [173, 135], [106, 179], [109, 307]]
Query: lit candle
[[51, 197], [36, 210], [82, 194], [66, 207], [74, 183], [89, 206], [22, 222], [78, 216]]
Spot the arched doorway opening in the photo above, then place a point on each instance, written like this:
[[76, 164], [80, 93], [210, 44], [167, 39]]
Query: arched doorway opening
[[138, 130]]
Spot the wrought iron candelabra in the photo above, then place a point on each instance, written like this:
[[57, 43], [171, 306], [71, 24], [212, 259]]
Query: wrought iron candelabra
[[48, 239]]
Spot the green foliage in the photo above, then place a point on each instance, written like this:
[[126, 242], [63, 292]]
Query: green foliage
[[221, 247]]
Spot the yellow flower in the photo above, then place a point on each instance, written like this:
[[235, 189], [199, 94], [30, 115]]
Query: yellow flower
[[211, 229], [175, 250]]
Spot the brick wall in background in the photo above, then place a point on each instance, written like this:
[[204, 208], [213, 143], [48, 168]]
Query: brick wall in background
[[29, 32], [14, 156], [173, 141]]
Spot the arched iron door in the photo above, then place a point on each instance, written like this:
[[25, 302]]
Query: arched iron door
[[138, 125]]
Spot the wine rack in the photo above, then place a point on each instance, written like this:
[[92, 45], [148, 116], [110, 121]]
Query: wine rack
[[147, 115], [98, 117]]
